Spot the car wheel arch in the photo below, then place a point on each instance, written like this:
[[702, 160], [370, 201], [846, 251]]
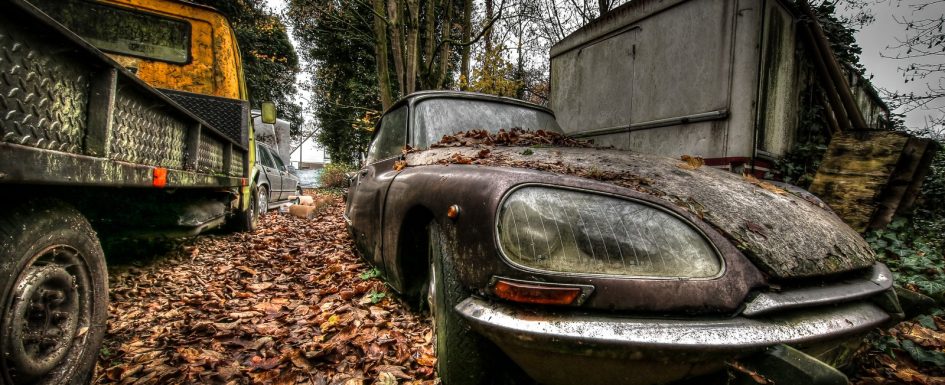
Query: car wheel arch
[[411, 263]]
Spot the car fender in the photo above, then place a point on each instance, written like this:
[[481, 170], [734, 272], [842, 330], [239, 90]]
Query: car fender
[[478, 191]]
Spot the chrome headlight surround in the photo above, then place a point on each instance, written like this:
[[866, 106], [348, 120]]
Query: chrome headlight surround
[[712, 263]]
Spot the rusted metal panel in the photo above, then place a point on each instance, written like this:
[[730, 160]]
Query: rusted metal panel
[[147, 134], [784, 235], [650, 69], [132, 129], [212, 70], [479, 190], [211, 155], [237, 164], [30, 165], [43, 94]]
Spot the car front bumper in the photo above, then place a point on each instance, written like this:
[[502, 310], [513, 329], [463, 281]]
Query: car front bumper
[[558, 347]]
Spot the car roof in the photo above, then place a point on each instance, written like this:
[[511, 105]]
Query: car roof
[[449, 94]]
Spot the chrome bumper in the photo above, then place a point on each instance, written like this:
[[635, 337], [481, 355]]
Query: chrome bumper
[[561, 347]]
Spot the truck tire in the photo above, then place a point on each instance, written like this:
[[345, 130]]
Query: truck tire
[[54, 294], [248, 219]]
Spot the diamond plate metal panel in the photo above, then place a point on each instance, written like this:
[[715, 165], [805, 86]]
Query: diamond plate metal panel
[[236, 167], [211, 155], [146, 134], [43, 96], [226, 115]]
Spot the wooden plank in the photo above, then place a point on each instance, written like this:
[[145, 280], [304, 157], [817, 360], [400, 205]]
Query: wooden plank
[[855, 170], [924, 166], [900, 180]]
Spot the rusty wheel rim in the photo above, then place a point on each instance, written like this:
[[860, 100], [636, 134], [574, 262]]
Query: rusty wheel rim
[[49, 313]]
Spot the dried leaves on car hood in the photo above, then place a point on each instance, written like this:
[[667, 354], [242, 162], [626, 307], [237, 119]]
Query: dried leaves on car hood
[[513, 137], [288, 304], [783, 234]]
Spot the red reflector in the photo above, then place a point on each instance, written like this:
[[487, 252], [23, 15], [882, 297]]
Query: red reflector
[[532, 293], [242, 181], [160, 177]]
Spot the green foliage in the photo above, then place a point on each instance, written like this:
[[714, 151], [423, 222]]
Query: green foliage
[[493, 75], [335, 175], [376, 296], [270, 63], [344, 73], [373, 273], [799, 166], [930, 213], [915, 262]]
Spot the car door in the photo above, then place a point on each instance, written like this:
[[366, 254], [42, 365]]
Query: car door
[[272, 174], [279, 168], [289, 181], [369, 186]]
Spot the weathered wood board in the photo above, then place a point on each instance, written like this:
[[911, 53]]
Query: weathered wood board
[[868, 176]]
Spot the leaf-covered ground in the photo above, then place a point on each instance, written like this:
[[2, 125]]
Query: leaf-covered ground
[[292, 304], [288, 304], [912, 352]]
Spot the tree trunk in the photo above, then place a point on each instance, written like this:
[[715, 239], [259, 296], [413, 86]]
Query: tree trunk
[[520, 64], [412, 46], [428, 78], [445, 34], [467, 34], [490, 13], [604, 6], [380, 50], [394, 11]]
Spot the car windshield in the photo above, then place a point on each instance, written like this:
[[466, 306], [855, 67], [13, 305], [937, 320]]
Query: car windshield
[[438, 117]]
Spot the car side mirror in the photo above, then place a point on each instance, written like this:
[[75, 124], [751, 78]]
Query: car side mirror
[[268, 112]]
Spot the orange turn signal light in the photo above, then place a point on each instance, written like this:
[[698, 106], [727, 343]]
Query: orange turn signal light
[[537, 293], [453, 212], [159, 177]]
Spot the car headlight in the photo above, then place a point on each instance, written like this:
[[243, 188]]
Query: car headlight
[[578, 232]]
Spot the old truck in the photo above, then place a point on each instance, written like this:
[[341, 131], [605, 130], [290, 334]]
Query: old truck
[[117, 117]]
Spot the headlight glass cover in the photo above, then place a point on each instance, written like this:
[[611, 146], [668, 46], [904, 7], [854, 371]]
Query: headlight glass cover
[[570, 231]]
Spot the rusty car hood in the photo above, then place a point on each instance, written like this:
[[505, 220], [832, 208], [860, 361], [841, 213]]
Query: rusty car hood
[[785, 235]]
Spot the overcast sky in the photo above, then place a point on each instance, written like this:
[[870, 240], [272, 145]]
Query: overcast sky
[[883, 33]]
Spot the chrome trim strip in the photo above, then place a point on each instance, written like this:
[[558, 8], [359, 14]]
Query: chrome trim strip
[[879, 279], [506, 324]]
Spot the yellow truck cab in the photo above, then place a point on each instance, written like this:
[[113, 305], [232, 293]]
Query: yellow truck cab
[[118, 118]]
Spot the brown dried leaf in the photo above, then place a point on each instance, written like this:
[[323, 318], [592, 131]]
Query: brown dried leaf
[[258, 287], [691, 162]]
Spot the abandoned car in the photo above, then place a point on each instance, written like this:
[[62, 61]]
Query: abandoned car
[[596, 266], [275, 182]]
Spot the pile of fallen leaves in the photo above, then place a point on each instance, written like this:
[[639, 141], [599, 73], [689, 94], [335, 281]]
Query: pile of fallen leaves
[[288, 304], [515, 137], [912, 352]]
